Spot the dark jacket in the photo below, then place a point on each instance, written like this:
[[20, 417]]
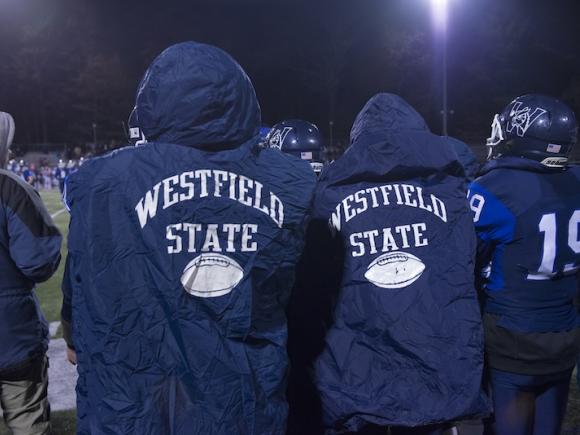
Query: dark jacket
[[183, 252], [465, 157], [29, 254], [404, 345]]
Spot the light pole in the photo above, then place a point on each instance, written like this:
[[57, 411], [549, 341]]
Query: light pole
[[331, 129], [439, 10]]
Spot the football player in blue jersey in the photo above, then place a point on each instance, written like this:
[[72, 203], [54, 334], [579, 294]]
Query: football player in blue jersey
[[60, 174], [29, 174], [526, 207], [299, 138]]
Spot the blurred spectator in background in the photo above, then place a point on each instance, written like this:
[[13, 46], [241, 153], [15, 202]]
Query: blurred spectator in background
[[29, 174], [47, 177], [60, 174]]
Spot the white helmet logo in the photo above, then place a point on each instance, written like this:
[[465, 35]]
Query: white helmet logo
[[277, 138], [522, 119]]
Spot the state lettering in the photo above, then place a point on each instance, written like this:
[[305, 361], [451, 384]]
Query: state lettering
[[388, 239]]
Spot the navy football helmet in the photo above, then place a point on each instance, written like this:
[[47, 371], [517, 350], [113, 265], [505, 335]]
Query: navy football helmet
[[535, 127], [298, 138]]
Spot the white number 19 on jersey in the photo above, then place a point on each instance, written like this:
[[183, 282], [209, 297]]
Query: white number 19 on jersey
[[548, 226]]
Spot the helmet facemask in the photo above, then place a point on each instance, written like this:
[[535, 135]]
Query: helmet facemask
[[496, 138]]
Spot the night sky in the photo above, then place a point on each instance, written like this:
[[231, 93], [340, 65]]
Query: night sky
[[66, 64]]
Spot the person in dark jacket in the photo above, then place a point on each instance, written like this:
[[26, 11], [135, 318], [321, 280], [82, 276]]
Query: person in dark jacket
[[526, 209], [403, 341], [182, 257], [29, 254]]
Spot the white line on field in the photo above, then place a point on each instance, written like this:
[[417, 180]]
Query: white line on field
[[58, 213]]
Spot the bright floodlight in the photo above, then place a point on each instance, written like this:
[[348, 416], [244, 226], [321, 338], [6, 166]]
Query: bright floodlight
[[440, 13]]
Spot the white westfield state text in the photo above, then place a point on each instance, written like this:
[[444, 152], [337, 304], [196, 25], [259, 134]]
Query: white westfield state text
[[209, 183], [393, 269]]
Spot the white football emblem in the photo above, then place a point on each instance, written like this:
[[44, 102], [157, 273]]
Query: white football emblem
[[395, 270], [211, 275]]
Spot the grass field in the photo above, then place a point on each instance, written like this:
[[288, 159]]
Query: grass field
[[50, 297], [49, 292]]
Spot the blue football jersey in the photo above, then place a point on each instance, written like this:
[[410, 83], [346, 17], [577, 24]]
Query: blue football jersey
[[527, 217]]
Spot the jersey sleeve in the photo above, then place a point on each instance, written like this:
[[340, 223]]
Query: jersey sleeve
[[494, 222], [495, 227]]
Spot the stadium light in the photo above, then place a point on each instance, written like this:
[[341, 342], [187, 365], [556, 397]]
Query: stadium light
[[439, 10]]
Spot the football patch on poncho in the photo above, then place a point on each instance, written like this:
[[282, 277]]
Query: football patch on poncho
[[395, 270], [211, 275]]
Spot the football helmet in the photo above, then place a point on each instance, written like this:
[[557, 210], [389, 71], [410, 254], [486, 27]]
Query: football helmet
[[535, 127], [298, 138]]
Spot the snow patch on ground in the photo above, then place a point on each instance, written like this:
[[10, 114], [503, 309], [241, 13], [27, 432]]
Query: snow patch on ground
[[62, 377]]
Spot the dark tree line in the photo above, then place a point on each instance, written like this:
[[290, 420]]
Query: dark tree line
[[69, 68]]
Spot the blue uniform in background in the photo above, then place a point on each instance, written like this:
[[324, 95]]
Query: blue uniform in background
[[388, 317], [29, 176], [60, 175], [527, 218], [182, 255]]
